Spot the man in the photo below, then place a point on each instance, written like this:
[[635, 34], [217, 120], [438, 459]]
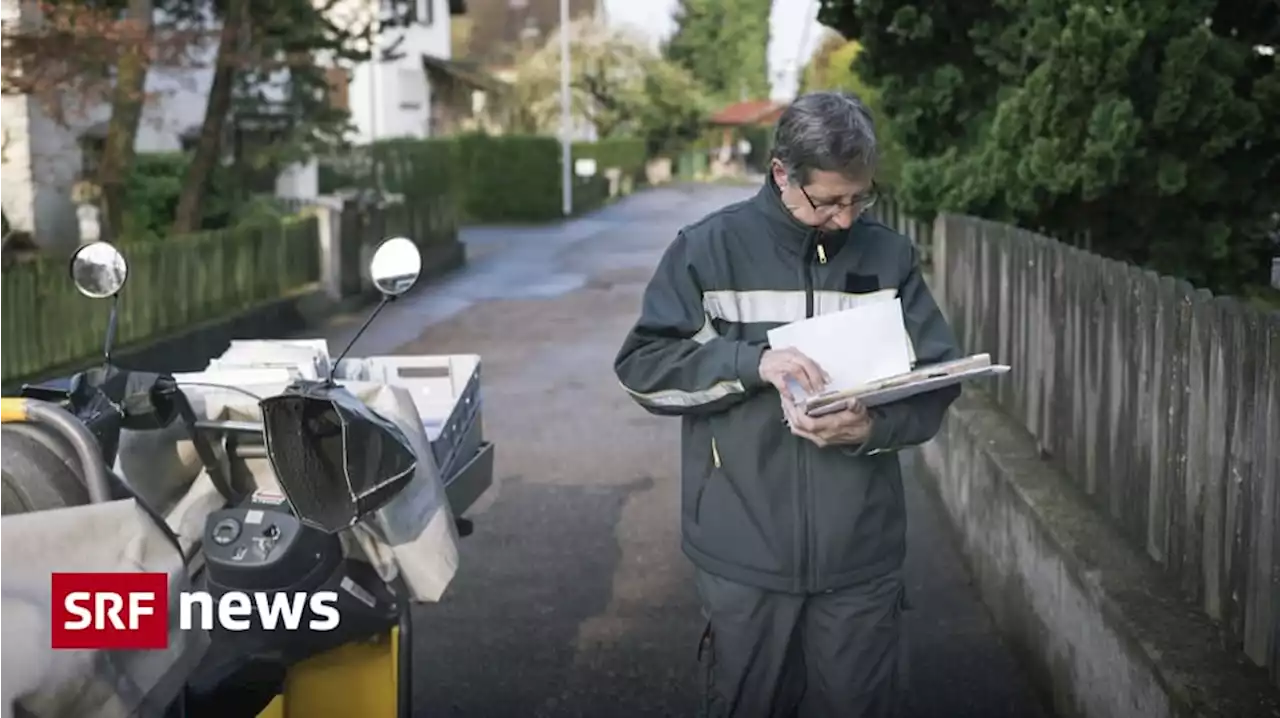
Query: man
[[797, 533]]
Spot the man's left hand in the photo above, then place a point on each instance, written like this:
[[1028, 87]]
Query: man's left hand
[[851, 426]]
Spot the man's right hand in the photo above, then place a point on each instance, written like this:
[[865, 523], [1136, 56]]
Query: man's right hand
[[777, 364]]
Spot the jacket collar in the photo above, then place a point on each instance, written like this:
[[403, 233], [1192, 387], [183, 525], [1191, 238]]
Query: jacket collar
[[791, 232]]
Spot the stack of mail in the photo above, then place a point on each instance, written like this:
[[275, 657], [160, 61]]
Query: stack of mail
[[868, 355]]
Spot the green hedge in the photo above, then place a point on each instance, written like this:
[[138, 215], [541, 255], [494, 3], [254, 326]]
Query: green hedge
[[624, 153], [427, 174], [505, 178], [589, 193], [155, 183], [510, 178]]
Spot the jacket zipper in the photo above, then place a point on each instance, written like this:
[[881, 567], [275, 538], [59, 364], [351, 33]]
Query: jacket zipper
[[811, 272], [702, 490], [807, 569]]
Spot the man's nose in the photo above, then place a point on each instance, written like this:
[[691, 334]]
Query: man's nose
[[844, 218]]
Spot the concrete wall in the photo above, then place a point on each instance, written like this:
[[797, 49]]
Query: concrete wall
[[1090, 616]]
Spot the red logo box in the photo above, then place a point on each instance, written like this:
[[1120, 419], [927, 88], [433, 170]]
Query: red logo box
[[111, 611]]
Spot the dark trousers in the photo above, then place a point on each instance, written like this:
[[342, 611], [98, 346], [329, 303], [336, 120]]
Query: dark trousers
[[780, 655]]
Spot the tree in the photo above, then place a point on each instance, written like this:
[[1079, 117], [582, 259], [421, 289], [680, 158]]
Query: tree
[[218, 105], [59, 54], [926, 60], [128, 96], [724, 45], [820, 71], [1143, 126], [271, 66], [55, 53], [617, 83]]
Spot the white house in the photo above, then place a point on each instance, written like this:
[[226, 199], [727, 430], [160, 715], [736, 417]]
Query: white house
[[43, 158], [392, 98]]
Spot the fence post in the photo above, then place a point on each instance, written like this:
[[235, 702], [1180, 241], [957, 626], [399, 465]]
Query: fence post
[[328, 211], [938, 260], [350, 239]]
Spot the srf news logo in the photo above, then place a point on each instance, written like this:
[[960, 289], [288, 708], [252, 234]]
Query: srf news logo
[[130, 611]]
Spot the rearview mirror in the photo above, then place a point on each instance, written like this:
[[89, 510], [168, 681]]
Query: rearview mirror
[[99, 270], [395, 267]]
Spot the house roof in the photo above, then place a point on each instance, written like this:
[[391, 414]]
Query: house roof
[[750, 112], [467, 73]]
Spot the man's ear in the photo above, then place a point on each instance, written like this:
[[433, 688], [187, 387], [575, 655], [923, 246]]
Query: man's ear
[[779, 173]]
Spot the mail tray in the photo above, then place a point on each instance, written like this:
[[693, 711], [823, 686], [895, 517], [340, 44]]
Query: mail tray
[[446, 391]]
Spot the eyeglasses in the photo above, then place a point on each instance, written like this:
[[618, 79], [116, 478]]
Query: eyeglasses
[[860, 203]]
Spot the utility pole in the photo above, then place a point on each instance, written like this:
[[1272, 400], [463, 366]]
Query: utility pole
[[566, 112]]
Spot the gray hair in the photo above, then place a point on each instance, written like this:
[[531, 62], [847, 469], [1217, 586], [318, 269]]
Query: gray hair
[[830, 131]]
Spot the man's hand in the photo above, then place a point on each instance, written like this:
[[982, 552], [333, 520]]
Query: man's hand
[[851, 426], [777, 364]]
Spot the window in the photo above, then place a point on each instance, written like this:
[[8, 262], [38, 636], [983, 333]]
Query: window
[[396, 14], [393, 14], [411, 87], [91, 149]]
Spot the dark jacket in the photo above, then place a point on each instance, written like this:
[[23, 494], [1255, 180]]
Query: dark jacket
[[761, 506]]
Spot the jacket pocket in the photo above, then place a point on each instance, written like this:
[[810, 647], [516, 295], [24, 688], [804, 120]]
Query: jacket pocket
[[711, 476]]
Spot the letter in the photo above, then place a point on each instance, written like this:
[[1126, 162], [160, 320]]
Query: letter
[[195, 598], [109, 607], [231, 605], [321, 604], [72, 605], [280, 604], [136, 607]]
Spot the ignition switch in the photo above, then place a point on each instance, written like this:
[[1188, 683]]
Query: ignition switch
[[226, 531]]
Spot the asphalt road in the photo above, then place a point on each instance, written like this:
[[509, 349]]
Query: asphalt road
[[573, 598]]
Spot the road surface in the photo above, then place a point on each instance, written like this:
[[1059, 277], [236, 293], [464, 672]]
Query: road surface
[[573, 598]]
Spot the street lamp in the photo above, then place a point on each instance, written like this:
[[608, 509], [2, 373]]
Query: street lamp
[[566, 116]]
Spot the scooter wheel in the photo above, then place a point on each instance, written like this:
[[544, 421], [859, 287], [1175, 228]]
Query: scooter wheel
[[34, 477]]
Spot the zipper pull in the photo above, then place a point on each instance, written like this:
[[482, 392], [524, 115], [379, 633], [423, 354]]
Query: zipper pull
[[715, 453], [822, 254]]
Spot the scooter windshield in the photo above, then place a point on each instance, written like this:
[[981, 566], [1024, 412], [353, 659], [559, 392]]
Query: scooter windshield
[[335, 458]]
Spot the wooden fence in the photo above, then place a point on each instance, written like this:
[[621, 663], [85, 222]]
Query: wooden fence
[[172, 284], [890, 213], [1161, 401]]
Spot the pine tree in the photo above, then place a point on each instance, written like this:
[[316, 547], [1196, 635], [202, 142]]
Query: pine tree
[[1145, 127]]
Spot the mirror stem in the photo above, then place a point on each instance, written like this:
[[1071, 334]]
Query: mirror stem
[[333, 368], [111, 329]]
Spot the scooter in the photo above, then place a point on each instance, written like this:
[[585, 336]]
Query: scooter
[[274, 473]]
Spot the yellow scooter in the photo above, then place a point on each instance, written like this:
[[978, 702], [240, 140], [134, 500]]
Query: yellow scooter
[[298, 474]]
